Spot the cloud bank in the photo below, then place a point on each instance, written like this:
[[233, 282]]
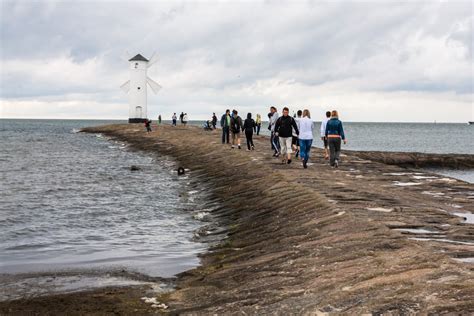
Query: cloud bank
[[393, 61]]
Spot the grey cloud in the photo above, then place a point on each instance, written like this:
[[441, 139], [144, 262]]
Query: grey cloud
[[211, 50]]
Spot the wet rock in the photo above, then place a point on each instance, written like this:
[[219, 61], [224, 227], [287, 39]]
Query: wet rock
[[135, 168]]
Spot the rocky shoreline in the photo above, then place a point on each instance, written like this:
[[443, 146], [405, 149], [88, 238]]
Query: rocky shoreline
[[369, 237]]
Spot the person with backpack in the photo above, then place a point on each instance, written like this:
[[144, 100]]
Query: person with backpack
[[225, 124], [283, 130], [249, 127], [235, 127], [335, 133]]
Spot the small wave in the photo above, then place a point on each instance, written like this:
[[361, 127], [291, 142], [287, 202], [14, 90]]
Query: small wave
[[201, 216], [26, 246], [75, 130]]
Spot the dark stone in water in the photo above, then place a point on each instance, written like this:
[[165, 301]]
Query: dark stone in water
[[180, 171], [135, 168]]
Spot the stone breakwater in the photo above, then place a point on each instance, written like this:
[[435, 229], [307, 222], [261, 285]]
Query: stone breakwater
[[365, 238], [419, 160]]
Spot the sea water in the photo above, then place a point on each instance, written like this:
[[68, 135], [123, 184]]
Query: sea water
[[69, 201]]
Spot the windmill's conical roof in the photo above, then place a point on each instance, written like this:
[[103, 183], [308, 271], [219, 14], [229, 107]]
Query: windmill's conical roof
[[138, 57]]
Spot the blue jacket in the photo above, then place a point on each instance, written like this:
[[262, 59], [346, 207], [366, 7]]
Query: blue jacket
[[334, 127]]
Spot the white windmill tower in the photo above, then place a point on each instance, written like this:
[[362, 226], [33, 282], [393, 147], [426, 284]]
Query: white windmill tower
[[136, 87]]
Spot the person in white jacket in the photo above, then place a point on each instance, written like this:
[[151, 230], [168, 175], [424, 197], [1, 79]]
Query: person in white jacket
[[271, 125], [323, 134], [306, 126]]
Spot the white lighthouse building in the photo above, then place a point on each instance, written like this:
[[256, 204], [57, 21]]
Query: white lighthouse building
[[136, 88]]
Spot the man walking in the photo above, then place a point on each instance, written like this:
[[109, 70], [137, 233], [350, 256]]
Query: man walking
[[225, 124], [283, 129], [273, 117]]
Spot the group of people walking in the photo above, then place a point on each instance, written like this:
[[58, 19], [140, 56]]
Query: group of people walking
[[183, 117], [288, 134], [295, 134], [232, 125]]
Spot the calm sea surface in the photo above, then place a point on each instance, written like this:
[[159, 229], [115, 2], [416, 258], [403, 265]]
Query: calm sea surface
[[69, 200]]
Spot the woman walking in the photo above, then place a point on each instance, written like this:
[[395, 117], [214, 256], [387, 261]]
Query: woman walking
[[258, 122], [334, 134], [249, 127], [305, 136]]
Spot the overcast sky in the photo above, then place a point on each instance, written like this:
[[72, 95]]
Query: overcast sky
[[373, 61]]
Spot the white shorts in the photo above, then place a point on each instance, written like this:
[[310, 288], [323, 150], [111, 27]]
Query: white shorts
[[285, 145]]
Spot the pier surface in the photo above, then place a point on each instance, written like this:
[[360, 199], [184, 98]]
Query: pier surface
[[368, 237]]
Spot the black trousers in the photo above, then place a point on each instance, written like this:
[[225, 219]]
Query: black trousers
[[249, 135], [225, 134], [334, 149]]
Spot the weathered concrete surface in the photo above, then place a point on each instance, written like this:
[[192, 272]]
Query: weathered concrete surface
[[418, 160], [318, 240]]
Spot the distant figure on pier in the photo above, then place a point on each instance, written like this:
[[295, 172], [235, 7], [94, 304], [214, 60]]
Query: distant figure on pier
[[235, 127], [181, 117], [159, 119], [283, 130], [306, 127], [335, 133], [273, 117], [258, 122], [185, 119], [249, 127], [323, 134], [295, 145], [174, 118], [148, 125], [214, 120], [225, 124]]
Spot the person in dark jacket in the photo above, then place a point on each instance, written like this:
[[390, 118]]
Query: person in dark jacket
[[334, 134], [235, 127], [249, 127], [225, 124], [214, 120], [283, 129], [148, 125]]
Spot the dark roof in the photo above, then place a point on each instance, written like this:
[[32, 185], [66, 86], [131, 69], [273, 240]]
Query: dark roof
[[138, 57]]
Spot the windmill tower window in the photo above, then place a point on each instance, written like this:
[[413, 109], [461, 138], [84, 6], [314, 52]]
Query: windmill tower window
[[136, 65], [138, 88]]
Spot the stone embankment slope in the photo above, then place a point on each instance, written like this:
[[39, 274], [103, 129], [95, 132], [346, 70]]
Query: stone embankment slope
[[365, 238]]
